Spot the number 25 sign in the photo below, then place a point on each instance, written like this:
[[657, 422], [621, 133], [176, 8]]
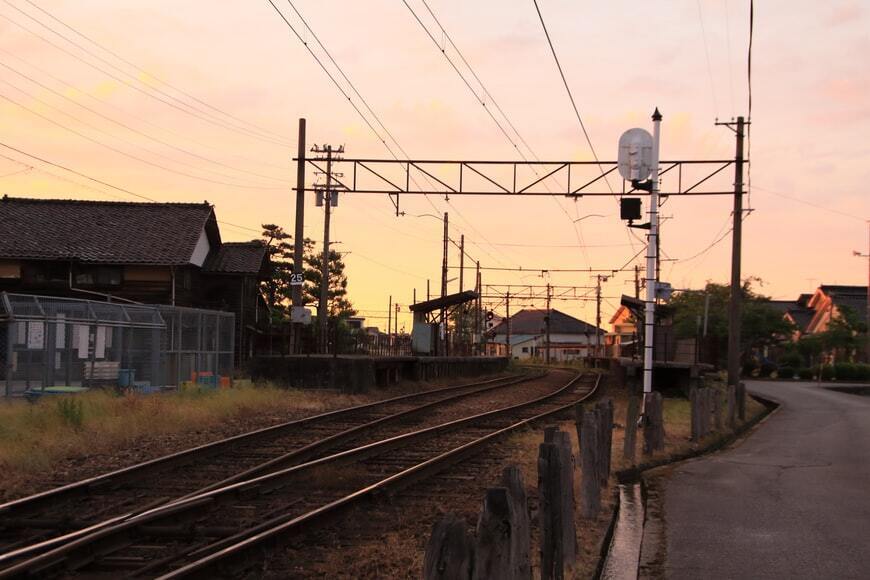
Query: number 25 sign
[[297, 279]]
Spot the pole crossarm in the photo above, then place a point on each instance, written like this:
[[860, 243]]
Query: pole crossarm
[[520, 178]]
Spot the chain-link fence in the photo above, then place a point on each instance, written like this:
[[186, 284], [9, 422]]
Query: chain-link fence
[[50, 342]]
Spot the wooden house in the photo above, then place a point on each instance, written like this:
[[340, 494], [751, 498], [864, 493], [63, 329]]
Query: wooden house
[[152, 253]]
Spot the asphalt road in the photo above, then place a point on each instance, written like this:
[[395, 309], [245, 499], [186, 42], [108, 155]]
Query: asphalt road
[[791, 501]]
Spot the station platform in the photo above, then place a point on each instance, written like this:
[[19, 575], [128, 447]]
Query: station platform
[[358, 373]]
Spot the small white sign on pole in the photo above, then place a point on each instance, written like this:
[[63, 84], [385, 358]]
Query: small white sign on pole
[[300, 315]]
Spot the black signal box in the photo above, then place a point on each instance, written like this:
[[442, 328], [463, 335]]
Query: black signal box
[[629, 208]]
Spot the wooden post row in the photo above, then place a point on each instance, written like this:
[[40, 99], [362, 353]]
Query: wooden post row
[[555, 523], [450, 551], [590, 484]]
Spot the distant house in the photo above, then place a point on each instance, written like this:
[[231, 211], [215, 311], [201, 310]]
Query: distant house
[[153, 253], [797, 312], [829, 302], [622, 340], [570, 338]]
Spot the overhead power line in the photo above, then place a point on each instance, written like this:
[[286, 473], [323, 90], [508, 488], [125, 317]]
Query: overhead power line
[[570, 95], [198, 100], [129, 155], [96, 180], [134, 85], [482, 100], [65, 84], [350, 100], [132, 129]]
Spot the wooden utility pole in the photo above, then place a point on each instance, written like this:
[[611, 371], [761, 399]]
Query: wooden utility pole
[[328, 200], [598, 313], [547, 321], [389, 322], [478, 315], [461, 325], [735, 305], [461, 262], [298, 246], [507, 307]]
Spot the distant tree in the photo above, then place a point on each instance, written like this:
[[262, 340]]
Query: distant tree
[[276, 288], [761, 326]]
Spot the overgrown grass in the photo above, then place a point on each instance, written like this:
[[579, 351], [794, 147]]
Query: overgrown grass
[[34, 436]]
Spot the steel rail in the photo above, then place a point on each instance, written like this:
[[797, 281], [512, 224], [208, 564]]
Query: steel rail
[[226, 557], [81, 551], [35, 502]]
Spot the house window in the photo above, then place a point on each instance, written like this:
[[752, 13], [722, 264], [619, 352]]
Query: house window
[[525, 349], [45, 272], [98, 276]]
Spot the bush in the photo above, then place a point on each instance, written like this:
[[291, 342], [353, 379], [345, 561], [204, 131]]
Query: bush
[[748, 367], [862, 372], [827, 372], [766, 369], [791, 359], [805, 373], [785, 373], [71, 411], [845, 371]]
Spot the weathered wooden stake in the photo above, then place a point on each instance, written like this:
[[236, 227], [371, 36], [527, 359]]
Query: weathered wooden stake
[[629, 443], [520, 560], [550, 515], [704, 414], [653, 430], [450, 551], [717, 410], [732, 407], [605, 417], [590, 488], [569, 531], [694, 401], [492, 558]]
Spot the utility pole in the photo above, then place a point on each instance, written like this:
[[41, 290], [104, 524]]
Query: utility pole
[[461, 262], [867, 255], [461, 288], [735, 306], [507, 307], [478, 316], [600, 279], [298, 246], [428, 293], [389, 322], [651, 258], [444, 284], [328, 200], [549, 296]]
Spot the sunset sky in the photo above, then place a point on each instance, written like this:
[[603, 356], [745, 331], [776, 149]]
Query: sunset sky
[[246, 79]]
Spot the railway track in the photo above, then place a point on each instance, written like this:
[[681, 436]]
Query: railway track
[[231, 525], [41, 521]]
